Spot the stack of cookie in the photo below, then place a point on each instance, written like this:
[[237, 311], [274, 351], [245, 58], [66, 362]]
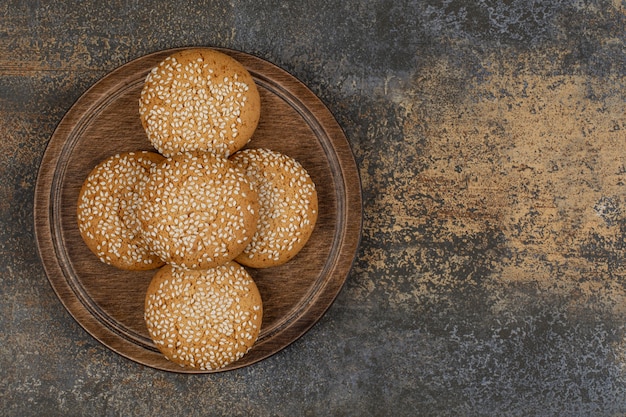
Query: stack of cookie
[[200, 208]]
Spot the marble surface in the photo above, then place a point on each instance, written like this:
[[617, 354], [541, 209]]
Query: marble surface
[[489, 137]]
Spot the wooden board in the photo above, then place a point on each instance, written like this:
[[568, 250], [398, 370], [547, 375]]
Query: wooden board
[[108, 302]]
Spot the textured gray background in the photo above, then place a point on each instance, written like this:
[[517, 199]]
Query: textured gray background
[[488, 135]]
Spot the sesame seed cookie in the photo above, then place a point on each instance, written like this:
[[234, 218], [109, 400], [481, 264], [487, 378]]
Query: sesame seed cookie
[[199, 99], [107, 211], [288, 207], [198, 210], [205, 319]]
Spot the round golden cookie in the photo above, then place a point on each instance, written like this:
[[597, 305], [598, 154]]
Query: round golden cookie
[[198, 210], [288, 207], [107, 211], [205, 319], [199, 99]]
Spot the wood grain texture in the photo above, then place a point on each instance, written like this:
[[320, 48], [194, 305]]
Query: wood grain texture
[[108, 302]]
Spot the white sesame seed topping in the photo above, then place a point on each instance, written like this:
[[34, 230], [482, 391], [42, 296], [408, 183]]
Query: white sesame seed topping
[[194, 213], [186, 106], [107, 210], [205, 319], [288, 206]]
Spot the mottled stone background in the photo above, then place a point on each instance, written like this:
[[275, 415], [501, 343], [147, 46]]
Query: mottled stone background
[[490, 141]]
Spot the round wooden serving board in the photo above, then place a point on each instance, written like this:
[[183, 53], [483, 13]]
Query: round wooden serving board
[[108, 302]]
